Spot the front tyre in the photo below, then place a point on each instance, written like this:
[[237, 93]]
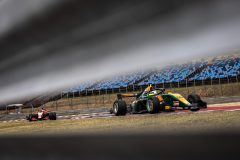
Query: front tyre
[[153, 105], [119, 108], [195, 99], [52, 116]]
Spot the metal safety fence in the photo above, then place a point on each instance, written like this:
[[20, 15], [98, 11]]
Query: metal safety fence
[[104, 98]]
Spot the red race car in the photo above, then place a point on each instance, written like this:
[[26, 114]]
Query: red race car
[[42, 114]]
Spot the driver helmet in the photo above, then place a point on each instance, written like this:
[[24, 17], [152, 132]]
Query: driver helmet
[[149, 88]]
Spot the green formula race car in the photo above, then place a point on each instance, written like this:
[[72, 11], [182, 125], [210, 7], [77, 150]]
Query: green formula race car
[[155, 101]]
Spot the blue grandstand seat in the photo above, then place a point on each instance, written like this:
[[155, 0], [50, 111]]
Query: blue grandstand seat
[[174, 73], [220, 68]]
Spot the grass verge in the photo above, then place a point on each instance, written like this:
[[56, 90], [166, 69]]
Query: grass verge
[[133, 124]]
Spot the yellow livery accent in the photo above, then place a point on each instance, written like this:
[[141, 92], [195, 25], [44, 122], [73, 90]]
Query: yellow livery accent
[[128, 95], [180, 98], [160, 98], [167, 107]]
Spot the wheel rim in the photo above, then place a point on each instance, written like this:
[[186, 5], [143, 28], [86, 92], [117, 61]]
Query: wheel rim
[[115, 108], [150, 105]]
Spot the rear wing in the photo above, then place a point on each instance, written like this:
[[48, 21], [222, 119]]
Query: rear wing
[[120, 96]]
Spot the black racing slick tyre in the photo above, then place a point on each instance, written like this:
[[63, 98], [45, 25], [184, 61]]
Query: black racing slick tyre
[[31, 116], [52, 116], [194, 98], [203, 104], [153, 105], [119, 108]]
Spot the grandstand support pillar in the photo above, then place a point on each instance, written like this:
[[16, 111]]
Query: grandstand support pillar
[[119, 90], [214, 93], [187, 87], [232, 87], [56, 105], [194, 85], [237, 82], [6, 110], [31, 108], [109, 99], [133, 87], [126, 90], [73, 94], [163, 85], [87, 102], [204, 84], [178, 85], [229, 84], [103, 99], [95, 98], [219, 82]]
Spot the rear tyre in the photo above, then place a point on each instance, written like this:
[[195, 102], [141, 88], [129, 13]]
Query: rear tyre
[[31, 116], [203, 104], [119, 108], [153, 105]]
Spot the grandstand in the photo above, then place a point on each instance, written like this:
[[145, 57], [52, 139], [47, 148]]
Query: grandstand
[[174, 73], [221, 68], [120, 81], [209, 68], [81, 87]]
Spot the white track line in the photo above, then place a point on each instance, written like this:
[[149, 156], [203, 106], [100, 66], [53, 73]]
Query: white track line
[[232, 110], [210, 111], [108, 115]]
